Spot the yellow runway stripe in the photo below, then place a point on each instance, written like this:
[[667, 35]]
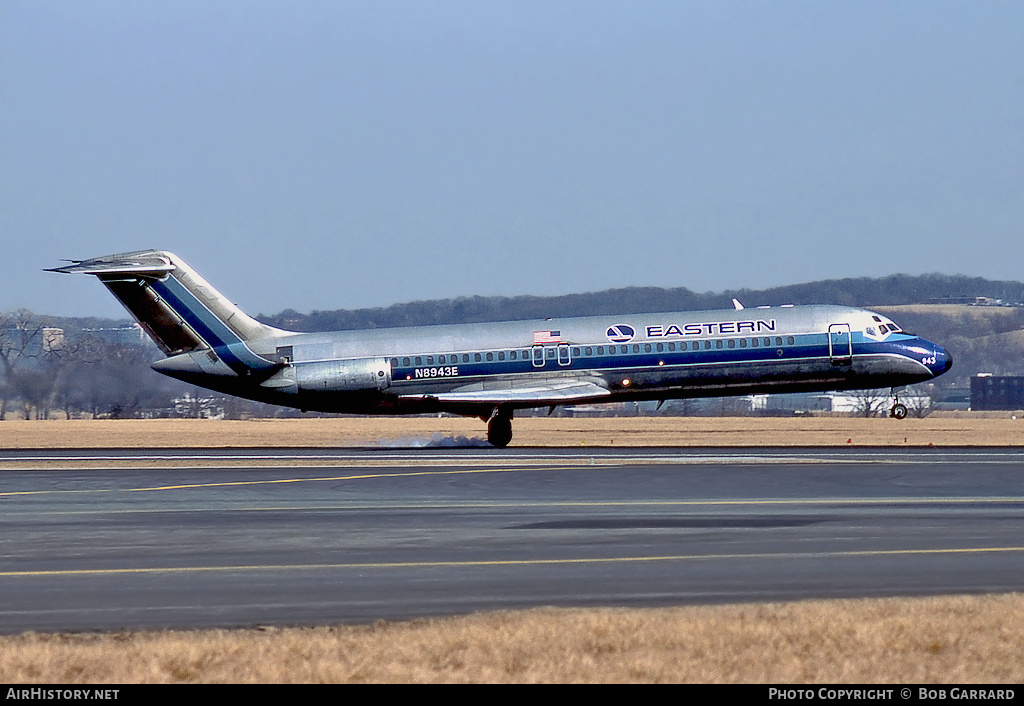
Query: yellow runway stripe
[[370, 476], [225, 484], [507, 562]]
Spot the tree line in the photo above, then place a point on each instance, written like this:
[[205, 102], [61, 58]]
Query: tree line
[[47, 369]]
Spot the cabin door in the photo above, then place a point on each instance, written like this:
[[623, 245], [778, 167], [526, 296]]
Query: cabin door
[[538, 356], [563, 354], [840, 344]]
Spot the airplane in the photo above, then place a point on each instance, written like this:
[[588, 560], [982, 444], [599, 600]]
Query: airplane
[[490, 370]]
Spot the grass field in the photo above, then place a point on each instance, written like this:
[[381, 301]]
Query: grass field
[[967, 430], [951, 640], [946, 640]]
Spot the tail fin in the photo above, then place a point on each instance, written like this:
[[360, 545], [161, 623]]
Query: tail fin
[[178, 309]]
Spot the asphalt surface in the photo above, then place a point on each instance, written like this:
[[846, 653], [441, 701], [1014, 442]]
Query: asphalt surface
[[146, 539]]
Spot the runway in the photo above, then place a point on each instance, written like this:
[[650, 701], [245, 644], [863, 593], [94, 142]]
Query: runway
[[104, 540]]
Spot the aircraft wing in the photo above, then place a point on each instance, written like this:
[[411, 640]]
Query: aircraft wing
[[554, 392]]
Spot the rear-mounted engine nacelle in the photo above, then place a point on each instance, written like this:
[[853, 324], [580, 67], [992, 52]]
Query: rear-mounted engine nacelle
[[348, 375]]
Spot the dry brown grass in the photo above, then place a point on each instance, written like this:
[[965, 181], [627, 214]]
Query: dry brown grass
[[931, 640], [965, 430]]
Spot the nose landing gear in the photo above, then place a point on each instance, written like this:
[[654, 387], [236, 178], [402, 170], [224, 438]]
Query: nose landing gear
[[898, 410]]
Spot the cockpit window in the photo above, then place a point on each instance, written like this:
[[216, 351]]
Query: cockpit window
[[882, 328]]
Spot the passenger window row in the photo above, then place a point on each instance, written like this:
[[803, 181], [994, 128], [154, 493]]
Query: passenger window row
[[593, 351]]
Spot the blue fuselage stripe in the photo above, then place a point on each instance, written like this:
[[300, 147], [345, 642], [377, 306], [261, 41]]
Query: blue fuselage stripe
[[225, 342], [805, 347]]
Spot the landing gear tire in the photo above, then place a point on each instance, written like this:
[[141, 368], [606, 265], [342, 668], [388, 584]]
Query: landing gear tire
[[499, 431], [898, 411]]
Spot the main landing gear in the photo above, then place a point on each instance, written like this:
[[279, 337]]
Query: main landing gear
[[499, 428], [898, 410]]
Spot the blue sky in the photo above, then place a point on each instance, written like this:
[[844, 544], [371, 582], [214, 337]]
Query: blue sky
[[325, 155]]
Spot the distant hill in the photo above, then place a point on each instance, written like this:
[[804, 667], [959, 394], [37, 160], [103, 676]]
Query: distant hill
[[894, 290]]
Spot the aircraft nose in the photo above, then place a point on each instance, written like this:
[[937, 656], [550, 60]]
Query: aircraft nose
[[938, 362], [942, 361]]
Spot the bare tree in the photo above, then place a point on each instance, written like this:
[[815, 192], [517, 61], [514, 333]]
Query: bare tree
[[923, 400], [120, 383], [69, 366], [870, 403], [21, 339]]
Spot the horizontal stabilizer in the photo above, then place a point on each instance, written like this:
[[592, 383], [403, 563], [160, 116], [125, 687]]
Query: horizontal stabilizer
[[133, 263]]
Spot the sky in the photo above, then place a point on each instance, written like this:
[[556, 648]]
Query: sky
[[344, 154]]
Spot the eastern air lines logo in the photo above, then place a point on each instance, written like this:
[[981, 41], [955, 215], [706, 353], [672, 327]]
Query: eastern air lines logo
[[620, 333]]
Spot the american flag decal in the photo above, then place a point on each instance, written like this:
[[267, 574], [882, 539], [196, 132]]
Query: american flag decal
[[547, 336]]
